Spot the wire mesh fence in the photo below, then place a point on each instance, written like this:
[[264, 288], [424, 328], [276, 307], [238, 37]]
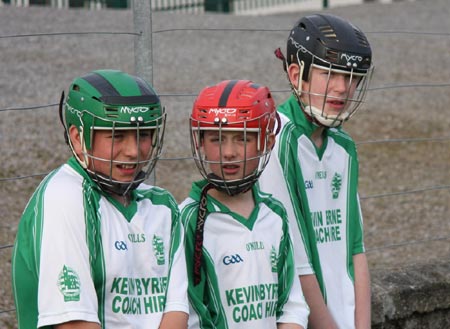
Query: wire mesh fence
[[402, 132]]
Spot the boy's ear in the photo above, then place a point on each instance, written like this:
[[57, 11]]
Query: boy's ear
[[75, 139], [271, 141], [293, 72]]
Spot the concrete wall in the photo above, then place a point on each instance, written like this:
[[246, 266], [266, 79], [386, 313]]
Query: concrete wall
[[413, 297]]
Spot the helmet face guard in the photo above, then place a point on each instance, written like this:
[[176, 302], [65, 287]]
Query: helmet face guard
[[140, 129], [335, 46], [314, 103], [115, 102], [233, 106]]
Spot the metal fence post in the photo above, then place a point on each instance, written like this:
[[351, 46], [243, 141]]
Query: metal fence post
[[143, 51]]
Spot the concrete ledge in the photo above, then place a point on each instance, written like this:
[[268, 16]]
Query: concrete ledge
[[411, 297]]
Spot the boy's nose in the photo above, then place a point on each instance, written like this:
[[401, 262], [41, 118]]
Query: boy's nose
[[131, 145], [340, 82], [228, 149]]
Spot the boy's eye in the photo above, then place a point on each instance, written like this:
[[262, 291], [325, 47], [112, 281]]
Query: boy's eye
[[145, 134], [213, 138], [246, 138], [116, 135]]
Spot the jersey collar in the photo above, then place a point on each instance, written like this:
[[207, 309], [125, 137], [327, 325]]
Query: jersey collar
[[214, 205], [128, 211]]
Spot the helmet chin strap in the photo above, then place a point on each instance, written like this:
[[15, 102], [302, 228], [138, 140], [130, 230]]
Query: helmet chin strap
[[115, 187], [234, 187], [331, 121]]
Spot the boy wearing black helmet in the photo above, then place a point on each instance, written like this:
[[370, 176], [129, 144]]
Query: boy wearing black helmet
[[97, 247], [314, 167]]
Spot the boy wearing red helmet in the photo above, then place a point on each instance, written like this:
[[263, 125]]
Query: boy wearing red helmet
[[314, 168], [238, 249]]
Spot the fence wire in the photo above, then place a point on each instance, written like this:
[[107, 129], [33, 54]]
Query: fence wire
[[190, 94]]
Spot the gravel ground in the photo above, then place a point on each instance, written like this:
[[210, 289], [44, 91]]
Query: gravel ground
[[401, 228]]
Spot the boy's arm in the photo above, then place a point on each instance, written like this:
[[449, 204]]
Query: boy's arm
[[289, 326], [177, 285], [292, 309], [174, 320], [362, 292], [78, 325], [361, 268], [286, 190], [319, 316]]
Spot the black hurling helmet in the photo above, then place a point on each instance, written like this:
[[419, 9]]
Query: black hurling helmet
[[333, 44], [115, 101]]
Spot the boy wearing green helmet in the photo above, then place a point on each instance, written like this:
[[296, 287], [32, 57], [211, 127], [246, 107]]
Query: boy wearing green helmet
[[96, 246]]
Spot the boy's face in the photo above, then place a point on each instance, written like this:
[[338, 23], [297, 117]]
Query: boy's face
[[231, 154], [120, 154], [339, 88]]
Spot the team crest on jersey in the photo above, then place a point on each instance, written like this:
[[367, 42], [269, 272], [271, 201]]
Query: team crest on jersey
[[69, 284], [158, 249], [336, 184], [274, 259]]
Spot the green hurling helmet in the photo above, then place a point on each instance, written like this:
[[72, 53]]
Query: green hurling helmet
[[111, 100]]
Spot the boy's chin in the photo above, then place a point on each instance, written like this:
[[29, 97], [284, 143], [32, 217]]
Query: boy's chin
[[123, 180]]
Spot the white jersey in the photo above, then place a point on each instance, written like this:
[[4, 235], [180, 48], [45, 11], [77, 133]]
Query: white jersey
[[248, 278], [319, 190], [80, 255]]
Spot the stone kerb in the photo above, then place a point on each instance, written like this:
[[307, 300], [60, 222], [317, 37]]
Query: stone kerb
[[411, 297]]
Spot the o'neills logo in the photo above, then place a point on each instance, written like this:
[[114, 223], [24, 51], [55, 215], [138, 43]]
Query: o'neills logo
[[223, 110], [134, 109]]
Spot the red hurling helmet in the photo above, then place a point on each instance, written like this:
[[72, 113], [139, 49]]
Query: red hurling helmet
[[233, 105]]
